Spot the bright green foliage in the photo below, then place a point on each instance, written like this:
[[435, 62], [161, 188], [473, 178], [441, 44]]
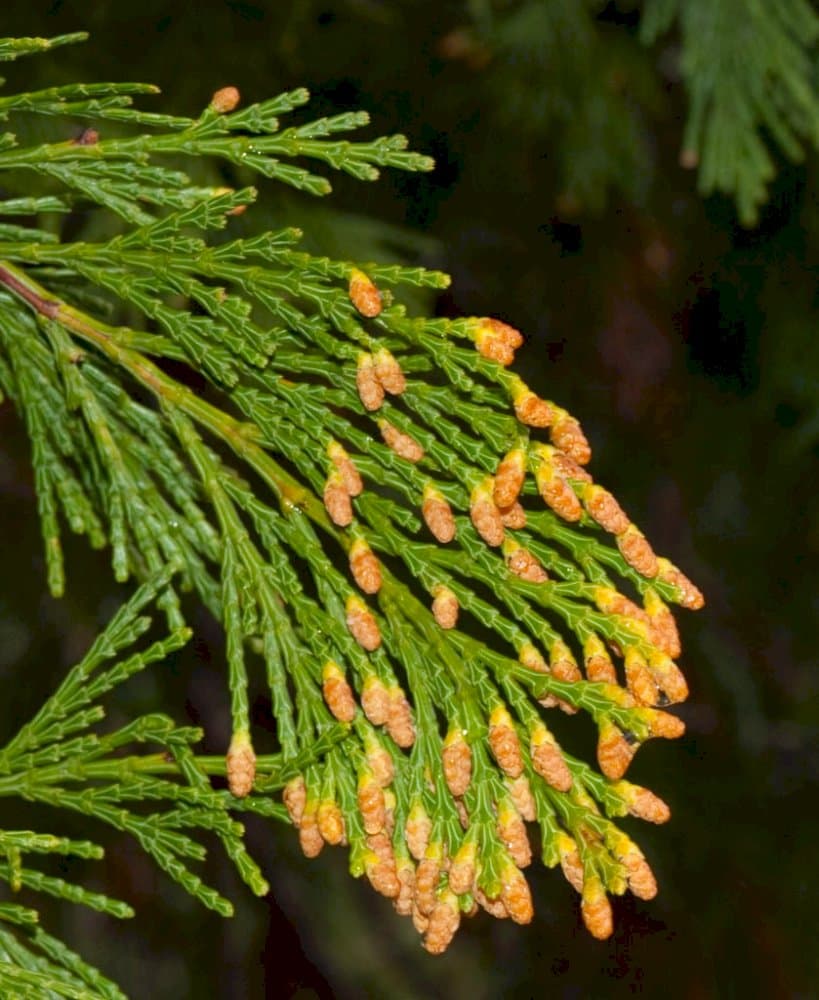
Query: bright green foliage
[[63, 758], [362, 476]]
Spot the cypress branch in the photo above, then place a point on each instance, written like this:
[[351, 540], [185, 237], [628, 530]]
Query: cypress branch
[[371, 502]]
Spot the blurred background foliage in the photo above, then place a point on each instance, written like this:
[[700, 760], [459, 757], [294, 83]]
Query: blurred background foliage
[[680, 330]]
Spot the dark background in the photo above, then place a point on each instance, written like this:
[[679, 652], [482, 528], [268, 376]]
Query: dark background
[[684, 343]]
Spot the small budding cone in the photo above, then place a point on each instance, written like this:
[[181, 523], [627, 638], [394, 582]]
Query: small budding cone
[[375, 700], [463, 869], [240, 764], [568, 468], [310, 838], [662, 627], [570, 862], [509, 478], [530, 409], [399, 719], [516, 896], [438, 515], [445, 607], [370, 390], [612, 602], [662, 724], [388, 372], [521, 793], [337, 692], [380, 763], [350, 476], [485, 515], [443, 924], [402, 444], [457, 761], [523, 564], [614, 752], [563, 664], [330, 822], [512, 831], [337, 500], [225, 99], [556, 491], [637, 552], [496, 340], [504, 743], [363, 294], [379, 866], [643, 803], [427, 877], [417, 831], [405, 899], [513, 517], [362, 625], [640, 877], [598, 662], [494, 907], [596, 909], [548, 761], [371, 804], [669, 677], [639, 680], [602, 506], [567, 435], [365, 567], [295, 797], [688, 595]]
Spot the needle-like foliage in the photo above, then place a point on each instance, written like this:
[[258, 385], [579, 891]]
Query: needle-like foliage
[[389, 523]]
